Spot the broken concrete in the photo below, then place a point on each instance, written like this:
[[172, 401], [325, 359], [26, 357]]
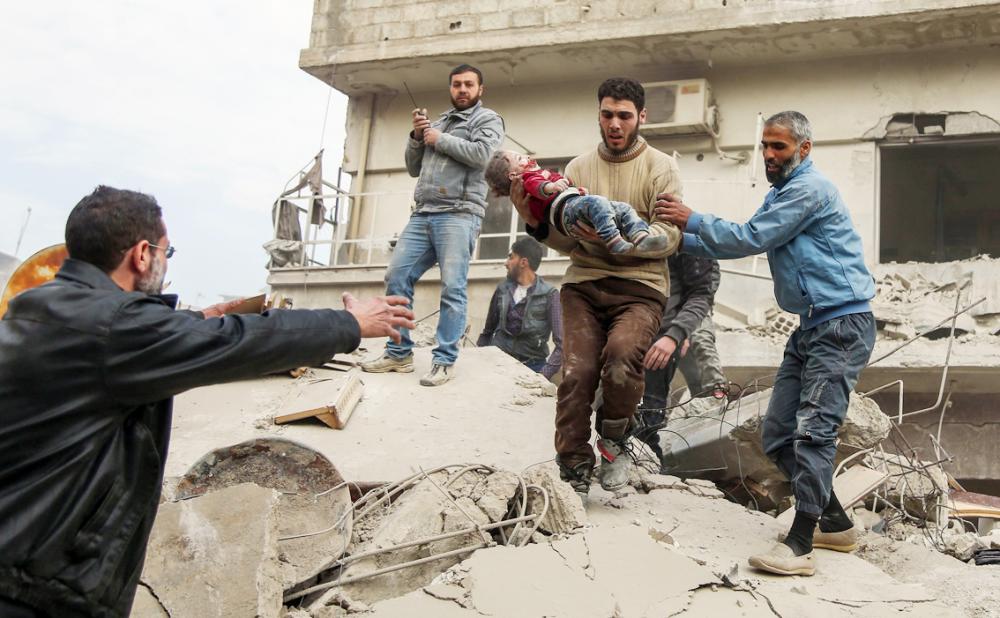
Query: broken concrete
[[727, 446], [566, 511], [422, 511], [216, 555]]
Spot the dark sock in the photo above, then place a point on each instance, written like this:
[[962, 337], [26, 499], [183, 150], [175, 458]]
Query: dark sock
[[834, 517], [800, 537]]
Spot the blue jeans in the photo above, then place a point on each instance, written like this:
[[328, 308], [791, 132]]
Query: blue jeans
[[447, 239], [609, 219], [809, 403]]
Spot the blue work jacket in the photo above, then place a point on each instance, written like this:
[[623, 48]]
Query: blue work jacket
[[813, 250]]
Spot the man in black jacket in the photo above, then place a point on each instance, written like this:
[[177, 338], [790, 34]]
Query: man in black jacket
[[693, 283], [89, 364]]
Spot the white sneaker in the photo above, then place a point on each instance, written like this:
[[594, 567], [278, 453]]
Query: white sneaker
[[438, 375], [386, 363]]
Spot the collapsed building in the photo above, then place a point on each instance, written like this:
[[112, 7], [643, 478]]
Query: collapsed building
[[903, 101]]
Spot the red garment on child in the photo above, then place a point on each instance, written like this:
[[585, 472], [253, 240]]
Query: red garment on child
[[533, 181]]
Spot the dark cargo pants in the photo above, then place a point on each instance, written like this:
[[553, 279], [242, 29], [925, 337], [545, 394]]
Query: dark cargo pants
[[608, 325], [809, 402]]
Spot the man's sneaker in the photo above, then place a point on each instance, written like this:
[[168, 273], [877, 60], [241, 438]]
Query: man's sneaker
[[579, 478], [614, 464], [783, 561], [386, 363], [845, 541], [438, 375]]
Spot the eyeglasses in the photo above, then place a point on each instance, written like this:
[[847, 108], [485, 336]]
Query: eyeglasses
[[168, 250]]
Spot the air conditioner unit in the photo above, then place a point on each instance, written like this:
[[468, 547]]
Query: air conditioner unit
[[683, 107]]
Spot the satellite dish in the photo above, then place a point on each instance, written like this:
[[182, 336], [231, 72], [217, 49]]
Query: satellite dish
[[33, 272]]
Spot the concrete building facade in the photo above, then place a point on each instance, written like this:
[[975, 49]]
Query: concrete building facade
[[903, 95]]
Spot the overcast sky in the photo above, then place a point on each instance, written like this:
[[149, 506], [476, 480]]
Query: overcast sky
[[201, 104]]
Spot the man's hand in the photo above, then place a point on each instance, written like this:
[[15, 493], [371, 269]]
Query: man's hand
[[217, 311], [431, 136], [659, 353], [582, 231], [381, 316], [519, 197], [671, 210], [420, 123]]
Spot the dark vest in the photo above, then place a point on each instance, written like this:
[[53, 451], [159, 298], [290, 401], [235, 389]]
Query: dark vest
[[532, 343]]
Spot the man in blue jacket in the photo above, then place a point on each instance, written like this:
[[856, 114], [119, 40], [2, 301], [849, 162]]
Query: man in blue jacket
[[819, 273]]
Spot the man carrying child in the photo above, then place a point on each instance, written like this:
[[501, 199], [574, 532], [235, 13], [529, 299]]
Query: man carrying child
[[611, 303]]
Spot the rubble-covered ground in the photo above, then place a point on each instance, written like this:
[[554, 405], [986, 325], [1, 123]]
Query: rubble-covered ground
[[666, 547]]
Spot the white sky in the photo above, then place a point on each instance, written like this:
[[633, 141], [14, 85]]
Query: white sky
[[201, 104]]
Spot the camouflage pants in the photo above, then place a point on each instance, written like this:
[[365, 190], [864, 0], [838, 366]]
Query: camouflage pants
[[701, 366]]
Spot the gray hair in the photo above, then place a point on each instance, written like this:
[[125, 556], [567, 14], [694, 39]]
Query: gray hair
[[497, 173], [796, 123]]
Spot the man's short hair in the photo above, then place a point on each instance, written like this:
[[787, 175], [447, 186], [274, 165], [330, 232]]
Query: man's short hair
[[796, 123], [623, 89], [109, 221], [497, 173], [530, 249], [466, 68]]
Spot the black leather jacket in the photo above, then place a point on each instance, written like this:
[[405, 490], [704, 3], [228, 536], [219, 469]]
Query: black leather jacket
[[87, 376], [693, 283]]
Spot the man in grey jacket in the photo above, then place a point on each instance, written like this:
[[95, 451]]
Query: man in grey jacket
[[448, 156]]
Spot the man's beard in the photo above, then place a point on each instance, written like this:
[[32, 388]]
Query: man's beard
[[152, 283], [472, 101], [630, 140], [513, 273], [786, 168]]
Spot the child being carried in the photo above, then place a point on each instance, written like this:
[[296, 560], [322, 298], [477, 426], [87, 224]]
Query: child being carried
[[553, 198]]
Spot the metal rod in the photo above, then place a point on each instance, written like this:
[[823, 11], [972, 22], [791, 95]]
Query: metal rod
[[899, 411], [396, 567]]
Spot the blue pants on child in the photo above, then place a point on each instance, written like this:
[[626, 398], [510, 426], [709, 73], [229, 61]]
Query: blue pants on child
[[809, 403], [609, 219]]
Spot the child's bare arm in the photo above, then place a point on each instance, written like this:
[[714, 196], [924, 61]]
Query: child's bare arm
[[551, 188]]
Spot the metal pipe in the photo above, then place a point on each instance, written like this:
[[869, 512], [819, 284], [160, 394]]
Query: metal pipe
[[947, 360], [366, 133], [396, 567], [899, 412]]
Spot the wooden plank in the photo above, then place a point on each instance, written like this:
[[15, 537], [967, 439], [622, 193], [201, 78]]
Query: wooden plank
[[967, 504], [330, 401], [851, 486]]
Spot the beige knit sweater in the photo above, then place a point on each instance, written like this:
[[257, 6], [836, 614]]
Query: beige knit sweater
[[634, 177]]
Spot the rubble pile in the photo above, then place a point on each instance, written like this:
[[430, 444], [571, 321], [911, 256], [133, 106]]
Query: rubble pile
[[911, 298], [723, 444]]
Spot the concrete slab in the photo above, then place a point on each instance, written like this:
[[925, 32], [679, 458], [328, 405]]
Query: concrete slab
[[216, 555], [495, 411]]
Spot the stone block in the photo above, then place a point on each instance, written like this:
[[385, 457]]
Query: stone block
[[563, 14], [429, 28], [452, 9], [478, 7], [418, 12], [396, 31], [386, 14], [494, 21], [365, 34], [527, 19], [602, 10], [651, 482], [217, 555]]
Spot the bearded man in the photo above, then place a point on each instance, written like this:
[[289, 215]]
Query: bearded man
[[525, 311], [89, 365], [819, 273], [611, 304], [448, 156]]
